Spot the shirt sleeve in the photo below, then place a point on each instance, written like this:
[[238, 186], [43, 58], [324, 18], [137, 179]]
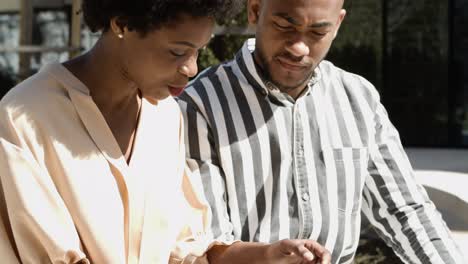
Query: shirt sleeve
[[35, 226], [398, 207], [203, 161], [195, 238]]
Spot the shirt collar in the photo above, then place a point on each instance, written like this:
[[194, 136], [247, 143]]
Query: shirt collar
[[245, 60]]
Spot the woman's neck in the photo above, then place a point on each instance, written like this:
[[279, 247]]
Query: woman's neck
[[102, 72]]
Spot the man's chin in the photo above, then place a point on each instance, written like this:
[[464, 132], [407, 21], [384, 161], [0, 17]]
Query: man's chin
[[285, 86], [288, 82]]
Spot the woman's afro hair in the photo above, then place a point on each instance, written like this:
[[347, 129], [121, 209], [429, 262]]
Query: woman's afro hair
[[146, 15]]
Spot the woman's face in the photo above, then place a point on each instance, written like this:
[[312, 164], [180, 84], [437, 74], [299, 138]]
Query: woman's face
[[161, 62]]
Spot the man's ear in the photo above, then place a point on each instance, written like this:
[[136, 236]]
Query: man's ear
[[340, 19], [253, 11]]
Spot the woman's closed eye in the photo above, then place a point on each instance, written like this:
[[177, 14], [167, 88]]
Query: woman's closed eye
[[178, 53]]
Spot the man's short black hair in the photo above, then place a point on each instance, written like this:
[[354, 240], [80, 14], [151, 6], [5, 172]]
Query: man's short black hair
[[145, 15]]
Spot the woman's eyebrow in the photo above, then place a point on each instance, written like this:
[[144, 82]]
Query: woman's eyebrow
[[185, 43], [188, 44]]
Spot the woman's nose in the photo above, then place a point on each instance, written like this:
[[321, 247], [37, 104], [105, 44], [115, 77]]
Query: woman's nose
[[190, 67]]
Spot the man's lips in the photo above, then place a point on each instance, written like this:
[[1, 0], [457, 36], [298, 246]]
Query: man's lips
[[176, 90], [290, 65]]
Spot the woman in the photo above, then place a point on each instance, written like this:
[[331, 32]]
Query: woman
[[91, 158]]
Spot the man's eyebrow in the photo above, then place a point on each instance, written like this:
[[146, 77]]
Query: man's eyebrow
[[321, 24], [294, 22], [286, 17]]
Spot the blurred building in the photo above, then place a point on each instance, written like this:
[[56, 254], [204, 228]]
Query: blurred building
[[36, 32]]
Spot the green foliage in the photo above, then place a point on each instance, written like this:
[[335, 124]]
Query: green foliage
[[206, 59], [224, 47], [374, 251]]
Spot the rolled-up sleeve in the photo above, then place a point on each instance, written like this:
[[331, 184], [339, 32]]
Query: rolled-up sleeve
[[203, 161], [195, 239], [399, 207], [36, 226]]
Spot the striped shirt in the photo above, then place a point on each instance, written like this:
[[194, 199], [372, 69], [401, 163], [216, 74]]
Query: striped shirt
[[274, 167]]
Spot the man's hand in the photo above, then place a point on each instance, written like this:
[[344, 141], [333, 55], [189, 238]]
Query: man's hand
[[297, 251], [287, 251]]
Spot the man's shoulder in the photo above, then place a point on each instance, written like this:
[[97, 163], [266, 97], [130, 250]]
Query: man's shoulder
[[207, 76], [333, 71], [212, 71], [353, 83]]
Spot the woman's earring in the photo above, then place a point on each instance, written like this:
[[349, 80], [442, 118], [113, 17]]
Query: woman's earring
[[120, 36]]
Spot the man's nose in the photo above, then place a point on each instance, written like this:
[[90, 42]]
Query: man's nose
[[298, 48]]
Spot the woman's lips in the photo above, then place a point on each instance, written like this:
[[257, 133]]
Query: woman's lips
[[175, 91]]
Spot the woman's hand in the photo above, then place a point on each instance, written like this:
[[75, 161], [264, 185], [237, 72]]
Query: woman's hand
[[297, 251]]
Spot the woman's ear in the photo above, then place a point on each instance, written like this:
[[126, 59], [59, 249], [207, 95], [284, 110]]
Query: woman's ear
[[118, 27]]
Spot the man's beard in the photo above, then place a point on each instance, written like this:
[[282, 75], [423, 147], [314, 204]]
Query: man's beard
[[265, 73]]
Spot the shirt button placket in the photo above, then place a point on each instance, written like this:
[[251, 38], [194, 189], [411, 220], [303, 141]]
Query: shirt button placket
[[302, 180]]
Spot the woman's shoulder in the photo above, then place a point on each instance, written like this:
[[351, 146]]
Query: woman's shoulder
[[36, 100], [36, 93]]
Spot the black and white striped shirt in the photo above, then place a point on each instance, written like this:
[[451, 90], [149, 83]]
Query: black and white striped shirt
[[274, 167]]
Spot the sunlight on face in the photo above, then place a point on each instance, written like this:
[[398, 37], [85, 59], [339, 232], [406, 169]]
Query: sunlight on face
[[293, 37], [161, 62]]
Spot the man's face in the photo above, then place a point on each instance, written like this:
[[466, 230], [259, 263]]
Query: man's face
[[292, 37]]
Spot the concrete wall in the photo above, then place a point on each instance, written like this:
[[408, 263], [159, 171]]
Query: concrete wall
[[9, 5], [453, 160], [14, 5], [444, 174]]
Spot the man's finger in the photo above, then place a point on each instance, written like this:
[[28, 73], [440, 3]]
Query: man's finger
[[306, 254], [297, 248], [319, 251]]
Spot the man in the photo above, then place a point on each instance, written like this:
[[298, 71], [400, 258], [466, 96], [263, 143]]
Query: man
[[290, 146]]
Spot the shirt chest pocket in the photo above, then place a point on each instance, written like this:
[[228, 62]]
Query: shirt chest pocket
[[349, 168]]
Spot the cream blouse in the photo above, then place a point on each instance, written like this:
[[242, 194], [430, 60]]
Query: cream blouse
[[67, 195]]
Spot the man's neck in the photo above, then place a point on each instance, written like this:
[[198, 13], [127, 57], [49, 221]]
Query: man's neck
[[294, 93]]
